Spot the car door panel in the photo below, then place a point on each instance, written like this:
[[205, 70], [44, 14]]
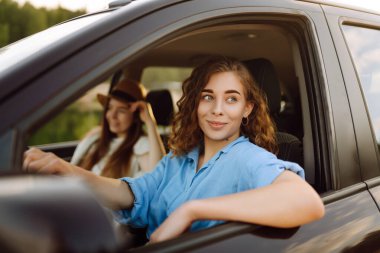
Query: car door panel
[[346, 226]]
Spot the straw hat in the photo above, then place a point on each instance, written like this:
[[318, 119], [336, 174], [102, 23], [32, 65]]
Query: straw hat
[[125, 90]]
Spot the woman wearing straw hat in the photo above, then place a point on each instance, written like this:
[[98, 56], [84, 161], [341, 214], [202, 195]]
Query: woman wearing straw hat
[[119, 148]]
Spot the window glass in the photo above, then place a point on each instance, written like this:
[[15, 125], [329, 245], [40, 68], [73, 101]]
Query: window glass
[[365, 50], [169, 78], [74, 121]]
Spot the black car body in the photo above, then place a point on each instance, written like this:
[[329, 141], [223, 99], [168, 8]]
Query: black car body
[[325, 104]]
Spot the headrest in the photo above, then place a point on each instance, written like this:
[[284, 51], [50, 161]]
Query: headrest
[[162, 106], [262, 70]]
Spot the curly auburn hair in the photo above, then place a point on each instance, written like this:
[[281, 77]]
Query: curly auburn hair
[[186, 133]]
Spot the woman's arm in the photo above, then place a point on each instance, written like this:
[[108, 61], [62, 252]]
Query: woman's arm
[[156, 147], [85, 145], [114, 193], [288, 202]]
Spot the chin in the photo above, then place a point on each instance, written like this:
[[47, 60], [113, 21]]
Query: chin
[[219, 137]]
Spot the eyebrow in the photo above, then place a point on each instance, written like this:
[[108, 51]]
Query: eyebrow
[[227, 91], [232, 91]]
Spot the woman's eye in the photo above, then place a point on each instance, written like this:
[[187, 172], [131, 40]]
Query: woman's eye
[[122, 110], [231, 99], [207, 97]]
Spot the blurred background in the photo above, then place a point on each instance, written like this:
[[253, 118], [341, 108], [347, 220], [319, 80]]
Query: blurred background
[[21, 18]]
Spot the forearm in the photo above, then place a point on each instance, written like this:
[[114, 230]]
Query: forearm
[[113, 193], [287, 203]]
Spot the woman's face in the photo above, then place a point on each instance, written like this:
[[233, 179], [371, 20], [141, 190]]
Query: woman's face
[[119, 117], [222, 107]]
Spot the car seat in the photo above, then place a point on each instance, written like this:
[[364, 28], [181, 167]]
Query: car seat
[[163, 110], [262, 70]]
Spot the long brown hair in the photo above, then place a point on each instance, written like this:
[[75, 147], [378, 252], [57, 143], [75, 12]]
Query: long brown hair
[[119, 163], [186, 133]]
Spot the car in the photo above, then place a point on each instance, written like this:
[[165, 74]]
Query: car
[[317, 61]]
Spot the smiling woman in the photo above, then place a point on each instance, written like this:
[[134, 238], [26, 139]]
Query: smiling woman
[[222, 107]]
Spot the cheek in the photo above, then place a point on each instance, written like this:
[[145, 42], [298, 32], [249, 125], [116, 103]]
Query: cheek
[[127, 118], [203, 108], [107, 115], [235, 112]]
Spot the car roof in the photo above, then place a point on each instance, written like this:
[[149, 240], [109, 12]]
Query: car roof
[[344, 5]]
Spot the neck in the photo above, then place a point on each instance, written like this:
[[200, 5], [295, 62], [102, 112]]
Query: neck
[[123, 135], [211, 147]]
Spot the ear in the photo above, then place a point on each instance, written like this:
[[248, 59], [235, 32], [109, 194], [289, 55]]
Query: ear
[[247, 110]]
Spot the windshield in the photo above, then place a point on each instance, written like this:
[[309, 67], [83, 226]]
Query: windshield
[[14, 53]]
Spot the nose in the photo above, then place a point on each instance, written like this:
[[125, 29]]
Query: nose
[[111, 113], [217, 108]]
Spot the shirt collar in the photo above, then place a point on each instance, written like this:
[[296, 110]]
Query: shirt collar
[[227, 148], [194, 153]]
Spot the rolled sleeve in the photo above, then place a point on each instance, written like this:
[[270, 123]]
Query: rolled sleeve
[[143, 189], [264, 173], [137, 215]]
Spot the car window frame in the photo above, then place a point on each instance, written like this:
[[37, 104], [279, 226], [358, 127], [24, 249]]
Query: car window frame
[[368, 158]]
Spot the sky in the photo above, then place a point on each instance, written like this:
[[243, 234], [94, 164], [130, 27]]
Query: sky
[[95, 5]]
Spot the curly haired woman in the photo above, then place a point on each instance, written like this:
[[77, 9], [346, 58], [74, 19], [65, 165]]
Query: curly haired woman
[[221, 167]]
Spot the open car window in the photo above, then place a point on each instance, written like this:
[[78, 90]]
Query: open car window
[[74, 121]]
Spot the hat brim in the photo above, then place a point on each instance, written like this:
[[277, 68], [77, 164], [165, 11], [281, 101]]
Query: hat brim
[[103, 99]]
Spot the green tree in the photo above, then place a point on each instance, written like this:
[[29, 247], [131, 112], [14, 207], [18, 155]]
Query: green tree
[[4, 34], [17, 22]]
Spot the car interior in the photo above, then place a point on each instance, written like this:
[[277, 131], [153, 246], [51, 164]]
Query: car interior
[[272, 51], [272, 54]]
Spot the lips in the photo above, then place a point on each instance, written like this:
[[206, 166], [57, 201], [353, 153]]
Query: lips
[[113, 125], [216, 124]]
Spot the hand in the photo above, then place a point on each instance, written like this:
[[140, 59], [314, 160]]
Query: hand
[[146, 112], [35, 160], [177, 223]]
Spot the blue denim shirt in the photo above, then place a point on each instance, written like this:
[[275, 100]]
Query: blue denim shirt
[[239, 166]]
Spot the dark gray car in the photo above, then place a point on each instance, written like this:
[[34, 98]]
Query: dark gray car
[[319, 65]]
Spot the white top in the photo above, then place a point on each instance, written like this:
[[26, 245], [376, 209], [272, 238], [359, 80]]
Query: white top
[[140, 148]]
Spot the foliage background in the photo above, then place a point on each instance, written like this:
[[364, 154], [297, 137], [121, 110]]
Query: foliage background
[[17, 22]]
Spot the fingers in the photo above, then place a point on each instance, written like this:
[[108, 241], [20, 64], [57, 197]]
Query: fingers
[[177, 223], [36, 160], [138, 105], [31, 155], [146, 112]]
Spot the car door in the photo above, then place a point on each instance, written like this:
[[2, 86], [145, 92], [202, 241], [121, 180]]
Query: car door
[[356, 35]]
